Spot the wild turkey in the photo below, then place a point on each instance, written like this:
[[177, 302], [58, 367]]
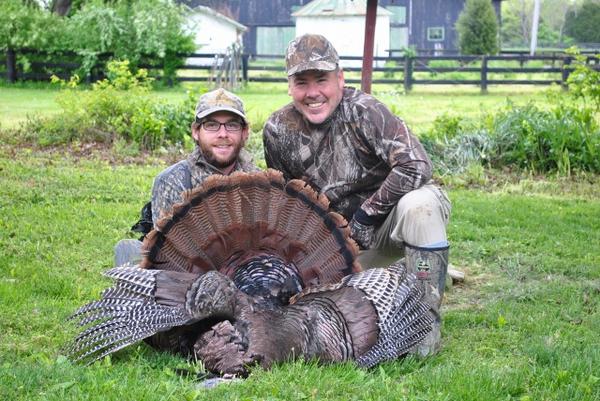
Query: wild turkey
[[249, 269]]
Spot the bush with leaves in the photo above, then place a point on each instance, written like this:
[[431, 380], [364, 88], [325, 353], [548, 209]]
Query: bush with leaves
[[130, 30], [116, 110], [560, 140], [584, 81], [141, 31], [477, 28], [25, 25]]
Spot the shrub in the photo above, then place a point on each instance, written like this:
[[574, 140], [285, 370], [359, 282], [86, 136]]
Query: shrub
[[560, 140], [584, 81], [116, 109], [477, 28], [455, 145]]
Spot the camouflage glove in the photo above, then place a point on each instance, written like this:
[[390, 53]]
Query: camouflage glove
[[361, 233]]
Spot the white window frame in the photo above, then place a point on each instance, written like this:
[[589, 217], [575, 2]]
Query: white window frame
[[430, 31]]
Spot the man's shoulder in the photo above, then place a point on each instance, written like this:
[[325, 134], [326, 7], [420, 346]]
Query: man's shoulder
[[176, 175], [354, 98], [173, 169], [283, 115]]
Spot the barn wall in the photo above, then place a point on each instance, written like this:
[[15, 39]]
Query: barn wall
[[276, 13]]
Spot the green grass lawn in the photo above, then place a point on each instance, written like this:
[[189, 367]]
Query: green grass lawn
[[523, 326], [419, 108]]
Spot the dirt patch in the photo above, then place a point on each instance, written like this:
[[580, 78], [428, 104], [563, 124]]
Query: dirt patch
[[78, 152]]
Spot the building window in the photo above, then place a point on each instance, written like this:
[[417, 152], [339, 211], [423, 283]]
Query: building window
[[399, 15], [435, 33]]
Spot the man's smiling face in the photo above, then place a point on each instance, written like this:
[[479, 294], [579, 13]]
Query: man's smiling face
[[221, 148], [316, 94]]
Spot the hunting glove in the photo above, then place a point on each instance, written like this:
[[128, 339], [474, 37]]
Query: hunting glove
[[362, 229]]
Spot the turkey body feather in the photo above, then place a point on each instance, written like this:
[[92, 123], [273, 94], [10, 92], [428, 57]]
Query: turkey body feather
[[252, 270], [368, 317]]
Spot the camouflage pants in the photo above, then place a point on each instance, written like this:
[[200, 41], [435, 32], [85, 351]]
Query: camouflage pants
[[419, 218]]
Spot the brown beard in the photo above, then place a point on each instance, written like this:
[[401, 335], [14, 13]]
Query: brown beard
[[210, 157]]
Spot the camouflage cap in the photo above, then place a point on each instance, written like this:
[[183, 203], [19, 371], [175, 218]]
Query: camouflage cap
[[310, 52], [219, 100]]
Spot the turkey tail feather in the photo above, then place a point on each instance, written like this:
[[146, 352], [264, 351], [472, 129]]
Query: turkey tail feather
[[127, 313], [231, 218]]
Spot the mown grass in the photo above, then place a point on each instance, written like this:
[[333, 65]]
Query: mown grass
[[523, 326], [419, 108]]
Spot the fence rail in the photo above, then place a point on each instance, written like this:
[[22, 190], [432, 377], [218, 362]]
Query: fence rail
[[408, 71]]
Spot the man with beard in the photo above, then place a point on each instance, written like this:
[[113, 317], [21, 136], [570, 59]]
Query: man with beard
[[220, 130]]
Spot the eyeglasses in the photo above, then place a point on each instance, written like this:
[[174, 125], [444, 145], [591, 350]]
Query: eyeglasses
[[230, 126]]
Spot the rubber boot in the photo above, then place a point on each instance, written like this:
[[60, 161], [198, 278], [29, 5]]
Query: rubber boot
[[430, 265]]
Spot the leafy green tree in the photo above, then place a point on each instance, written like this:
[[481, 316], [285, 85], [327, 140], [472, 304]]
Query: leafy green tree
[[583, 23], [24, 24], [477, 28]]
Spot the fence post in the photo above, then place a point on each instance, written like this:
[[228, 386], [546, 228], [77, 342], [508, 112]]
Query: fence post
[[245, 67], [408, 70], [566, 71], [11, 66], [484, 73]]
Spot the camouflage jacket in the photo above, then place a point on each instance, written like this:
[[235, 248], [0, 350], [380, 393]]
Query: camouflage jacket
[[170, 184], [362, 156]]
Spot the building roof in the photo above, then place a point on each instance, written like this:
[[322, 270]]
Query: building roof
[[324, 8], [209, 11]]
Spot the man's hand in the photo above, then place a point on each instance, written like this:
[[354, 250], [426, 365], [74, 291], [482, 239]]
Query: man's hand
[[361, 233]]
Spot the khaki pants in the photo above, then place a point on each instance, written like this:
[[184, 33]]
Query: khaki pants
[[419, 218]]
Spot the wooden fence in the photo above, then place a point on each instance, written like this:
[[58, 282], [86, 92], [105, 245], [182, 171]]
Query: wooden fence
[[407, 71]]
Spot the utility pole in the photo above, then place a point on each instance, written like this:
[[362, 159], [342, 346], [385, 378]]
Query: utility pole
[[534, 26]]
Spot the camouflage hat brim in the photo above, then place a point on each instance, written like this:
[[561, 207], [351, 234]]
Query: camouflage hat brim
[[215, 109], [312, 65]]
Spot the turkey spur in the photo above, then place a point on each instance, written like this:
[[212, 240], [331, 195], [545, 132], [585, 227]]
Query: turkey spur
[[252, 270]]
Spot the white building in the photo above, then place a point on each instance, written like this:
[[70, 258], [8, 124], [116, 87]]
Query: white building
[[343, 23], [214, 32]]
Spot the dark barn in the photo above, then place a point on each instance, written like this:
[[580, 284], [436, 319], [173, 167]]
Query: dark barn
[[426, 25]]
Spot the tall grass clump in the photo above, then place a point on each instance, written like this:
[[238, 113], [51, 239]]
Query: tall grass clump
[[115, 110], [561, 140]]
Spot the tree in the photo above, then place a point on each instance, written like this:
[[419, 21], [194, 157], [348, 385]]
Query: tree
[[477, 28], [582, 24], [517, 20]]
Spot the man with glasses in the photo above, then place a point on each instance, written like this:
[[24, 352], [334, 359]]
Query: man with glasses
[[350, 147], [220, 130]]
